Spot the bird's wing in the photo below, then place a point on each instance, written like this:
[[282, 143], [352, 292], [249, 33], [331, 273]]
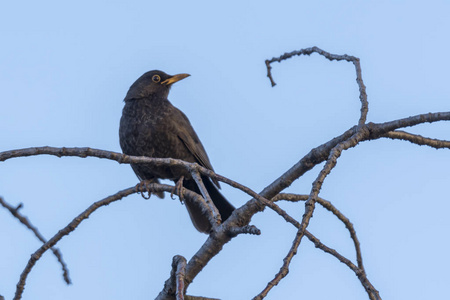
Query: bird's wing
[[190, 139]]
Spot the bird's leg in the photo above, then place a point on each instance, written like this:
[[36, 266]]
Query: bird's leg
[[141, 189], [178, 189]]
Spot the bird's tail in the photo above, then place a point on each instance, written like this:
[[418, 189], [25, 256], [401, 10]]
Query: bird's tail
[[199, 219]]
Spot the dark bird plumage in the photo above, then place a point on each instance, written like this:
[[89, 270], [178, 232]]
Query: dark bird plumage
[[152, 126]]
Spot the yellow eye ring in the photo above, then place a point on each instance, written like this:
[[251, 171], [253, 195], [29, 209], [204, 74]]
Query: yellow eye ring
[[156, 78]]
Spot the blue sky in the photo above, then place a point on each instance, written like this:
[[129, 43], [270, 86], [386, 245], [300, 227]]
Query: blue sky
[[66, 67]]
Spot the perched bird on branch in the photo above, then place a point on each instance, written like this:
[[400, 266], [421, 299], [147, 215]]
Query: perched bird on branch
[[151, 126]]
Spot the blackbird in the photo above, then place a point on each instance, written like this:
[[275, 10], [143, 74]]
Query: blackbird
[[151, 126]]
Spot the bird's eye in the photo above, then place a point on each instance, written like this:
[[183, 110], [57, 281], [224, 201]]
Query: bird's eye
[[156, 78]]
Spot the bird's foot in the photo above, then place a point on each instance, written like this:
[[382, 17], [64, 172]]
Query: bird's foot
[[178, 189], [142, 189]]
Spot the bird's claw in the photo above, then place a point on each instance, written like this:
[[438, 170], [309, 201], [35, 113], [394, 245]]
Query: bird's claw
[[141, 189], [178, 189]]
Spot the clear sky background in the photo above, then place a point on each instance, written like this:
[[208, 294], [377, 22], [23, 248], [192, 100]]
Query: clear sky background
[[66, 67]]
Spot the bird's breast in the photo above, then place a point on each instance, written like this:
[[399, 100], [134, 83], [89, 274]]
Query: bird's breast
[[146, 131]]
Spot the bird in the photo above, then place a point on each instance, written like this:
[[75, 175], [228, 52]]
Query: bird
[[151, 126]]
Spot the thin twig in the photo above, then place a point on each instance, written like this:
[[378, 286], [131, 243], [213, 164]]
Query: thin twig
[[24, 220], [417, 139], [378, 130], [331, 57]]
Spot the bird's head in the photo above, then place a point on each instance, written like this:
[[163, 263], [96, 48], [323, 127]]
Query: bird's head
[[153, 84]]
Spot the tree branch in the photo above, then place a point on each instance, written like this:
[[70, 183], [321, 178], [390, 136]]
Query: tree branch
[[330, 207], [417, 139], [359, 271], [310, 205], [378, 130], [331, 57]]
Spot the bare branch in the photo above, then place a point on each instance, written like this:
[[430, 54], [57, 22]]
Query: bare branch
[[417, 139], [321, 153], [153, 187], [329, 165], [314, 157], [359, 271], [378, 130], [310, 204], [64, 151], [24, 220], [331, 57], [330, 207]]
